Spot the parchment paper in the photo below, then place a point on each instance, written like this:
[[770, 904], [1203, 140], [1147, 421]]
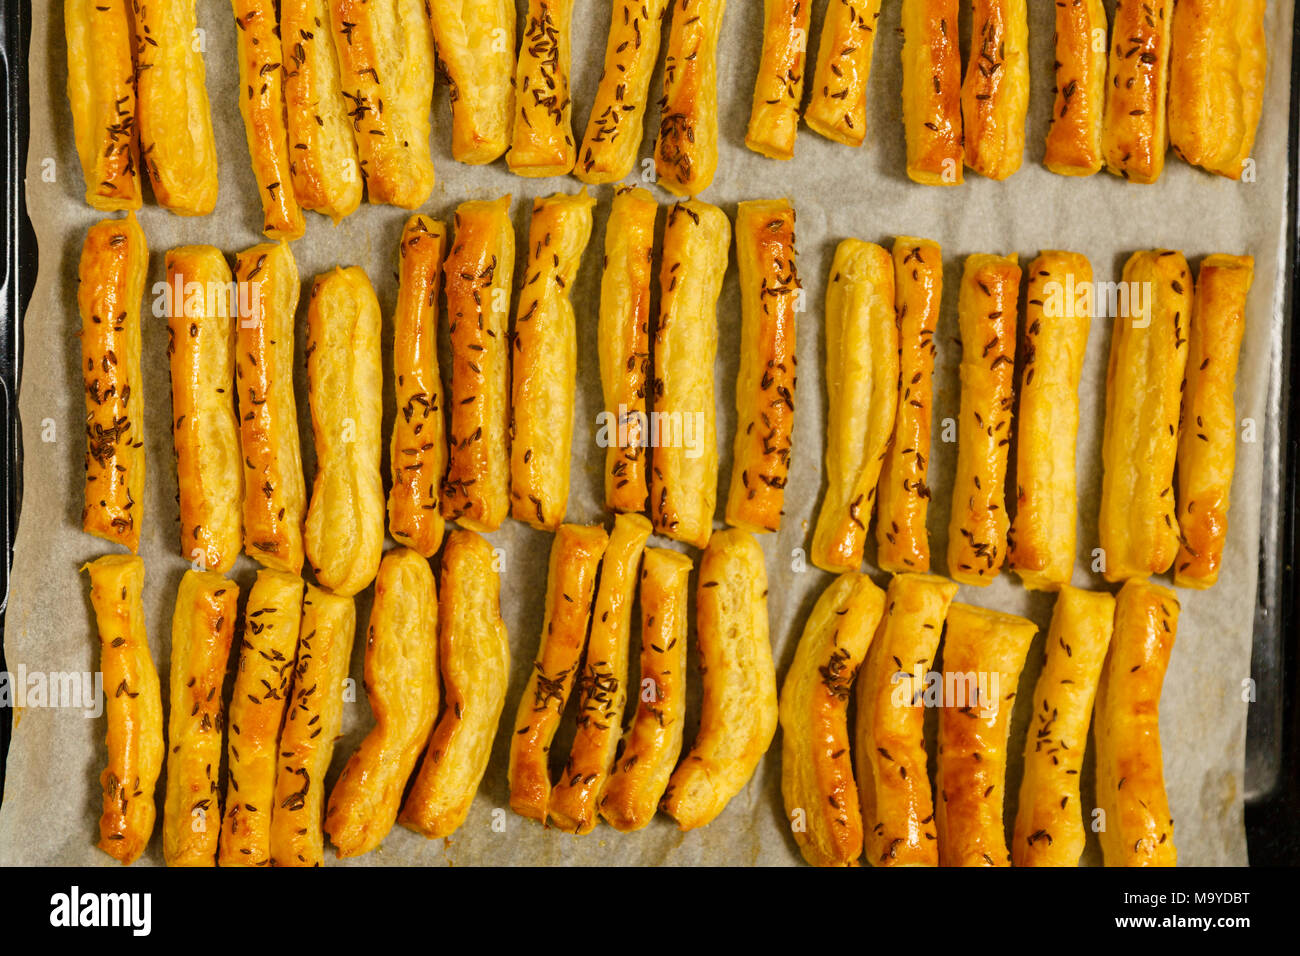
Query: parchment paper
[[52, 794]]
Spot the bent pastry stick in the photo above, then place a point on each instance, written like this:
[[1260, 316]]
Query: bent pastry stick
[[133, 707], [257, 707], [1057, 317], [738, 715], [478, 274], [601, 684], [653, 742], [570, 587], [1049, 828], [545, 361], [1139, 829], [983, 654], [902, 494], [995, 91], [1135, 132], [778, 89], [821, 798], [475, 651], [889, 739], [686, 150], [111, 277], [684, 473], [1074, 139], [986, 312], [838, 106], [402, 684], [275, 494], [932, 107], [475, 43], [862, 352], [542, 141], [1144, 391], [1207, 444]]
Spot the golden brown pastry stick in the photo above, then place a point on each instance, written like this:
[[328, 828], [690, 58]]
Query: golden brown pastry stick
[[986, 308], [602, 683], [478, 274], [983, 654], [1139, 829], [1207, 443], [1135, 133], [1144, 389], [1058, 314], [995, 91], [838, 106], [862, 351], [778, 89], [1049, 828], [311, 726], [257, 707], [111, 278], [542, 141], [1074, 139], [932, 113], [475, 652], [275, 494], [402, 684], [686, 150], [614, 126], [545, 360], [889, 739], [133, 707], [475, 40], [738, 715], [821, 799], [623, 338], [902, 494], [570, 588], [101, 87], [684, 469]]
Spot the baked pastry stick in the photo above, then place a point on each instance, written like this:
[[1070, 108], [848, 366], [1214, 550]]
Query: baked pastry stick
[[475, 43], [205, 430], [133, 707], [738, 715], [323, 162], [653, 742], [601, 684], [1135, 133], [983, 654], [1218, 64], [176, 141], [257, 707], [111, 278], [1074, 138], [821, 799], [203, 626], [418, 448], [902, 494], [862, 352], [995, 91], [275, 495], [889, 738], [542, 141], [545, 360], [1049, 829], [684, 472], [686, 150], [478, 274], [311, 727], [1144, 390], [1207, 442], [344, 531], [623, 338], [932, 106], [837, 108], [386, 64], [101, 88], [986, 313], [1130, 772], [765, 384], [475, 650], [402, 683], [570, 588], [778, 89], [613, 137], [1057, 318], [261, 103]]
